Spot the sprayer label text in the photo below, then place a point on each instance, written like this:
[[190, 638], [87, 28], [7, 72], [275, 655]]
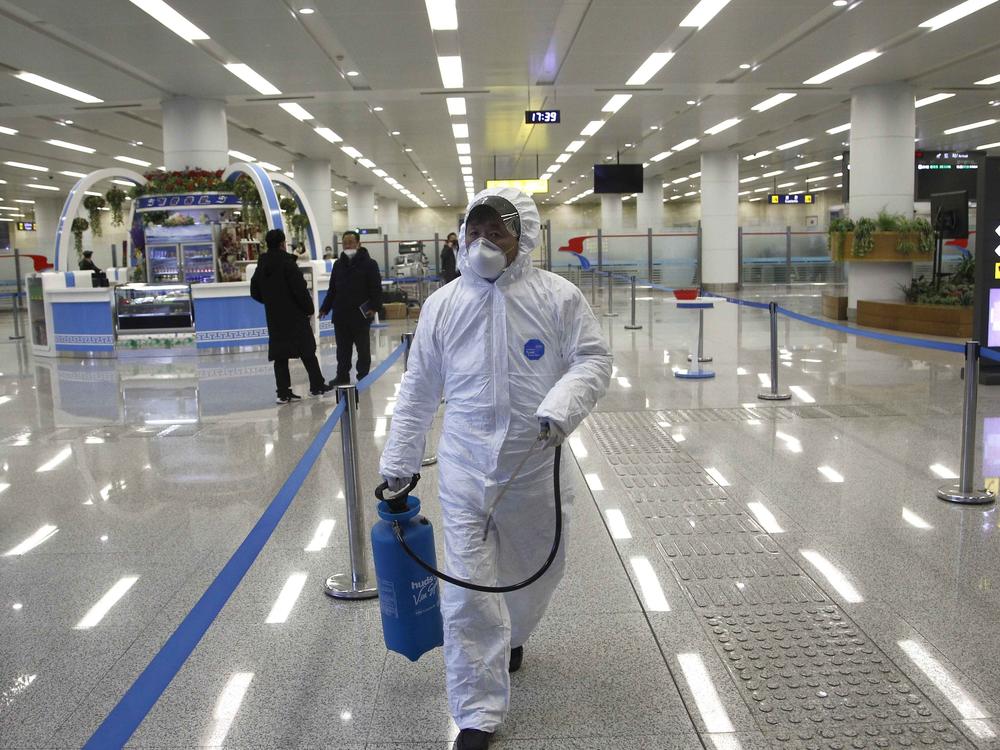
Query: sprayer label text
[[423, 590]]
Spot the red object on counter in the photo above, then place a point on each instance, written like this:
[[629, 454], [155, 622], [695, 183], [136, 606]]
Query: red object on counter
[[686, 294]]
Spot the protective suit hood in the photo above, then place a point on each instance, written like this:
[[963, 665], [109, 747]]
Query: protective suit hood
[[527, 215]]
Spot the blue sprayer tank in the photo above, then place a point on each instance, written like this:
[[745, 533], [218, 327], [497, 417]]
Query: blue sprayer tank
[[408, 595]]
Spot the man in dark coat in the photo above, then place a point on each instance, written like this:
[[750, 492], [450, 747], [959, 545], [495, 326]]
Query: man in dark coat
[[449, 259], [278, 284], [355, 296]]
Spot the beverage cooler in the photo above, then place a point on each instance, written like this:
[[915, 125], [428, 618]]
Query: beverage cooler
[[185, 254]]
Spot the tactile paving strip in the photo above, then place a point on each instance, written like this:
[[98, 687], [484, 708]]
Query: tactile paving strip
[[774, 413], [812, 677]]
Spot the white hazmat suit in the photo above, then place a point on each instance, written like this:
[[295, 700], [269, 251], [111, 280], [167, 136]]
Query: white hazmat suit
[[504, 354]]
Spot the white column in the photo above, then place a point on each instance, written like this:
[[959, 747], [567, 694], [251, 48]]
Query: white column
[[611, 213], [313, 176], [388, 216], [360, 206], [195, 134], [47, 213], [883, 124], [649, 206], [720, 179]]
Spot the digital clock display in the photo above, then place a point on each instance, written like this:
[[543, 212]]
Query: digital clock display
[[541, 116]]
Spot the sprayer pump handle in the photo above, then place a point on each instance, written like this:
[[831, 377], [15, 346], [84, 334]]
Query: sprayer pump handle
[[396, 503]]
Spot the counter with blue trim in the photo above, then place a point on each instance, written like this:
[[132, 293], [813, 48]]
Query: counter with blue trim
[[69, 317]]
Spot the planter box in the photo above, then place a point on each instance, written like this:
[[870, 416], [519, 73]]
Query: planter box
[[883, 252], [835, 307], [932, 320]]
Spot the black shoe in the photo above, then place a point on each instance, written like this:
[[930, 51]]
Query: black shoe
[[516, 655], [323, 389], [473, 739], [287, 398], [340, 381]]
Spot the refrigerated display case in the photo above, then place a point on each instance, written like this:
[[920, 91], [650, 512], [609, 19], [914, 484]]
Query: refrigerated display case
[[153, 308], [163, 263], [181, 254]]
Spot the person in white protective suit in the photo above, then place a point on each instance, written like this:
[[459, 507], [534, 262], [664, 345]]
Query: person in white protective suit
[[511, 348]]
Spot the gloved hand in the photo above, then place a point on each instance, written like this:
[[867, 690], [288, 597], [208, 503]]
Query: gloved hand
[[396, 484], [554, 436]]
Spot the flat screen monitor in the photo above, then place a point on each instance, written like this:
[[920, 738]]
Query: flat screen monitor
[[618, 178], [950, 214]]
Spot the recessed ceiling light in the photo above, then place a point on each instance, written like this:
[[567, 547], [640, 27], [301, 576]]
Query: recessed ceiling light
[[609, 158], [460, 130], [456, 105], [839, 128], [660, 156], [70, 146], [932, 99], [954, 14], [702, 13], [42, 187], [22, 165], [353, 73], [793, 144], [989, 81], [774, 101], [172, 20], [408, 150], [574, 146], [592, 127], [130, 160], [654, 127], [809, 165], [724, 125], [241, 156], [451, 71], [328, 135], [58, 88], [649, 68], [351, 151], [988, 146], [840, 3], [616, 102], [296, 110], [377, 109], [463, 148], [253, 79], [395, 132], [745, 66], [307, 11], [970, 126], [838, 70], [685, 144], [758, 155]]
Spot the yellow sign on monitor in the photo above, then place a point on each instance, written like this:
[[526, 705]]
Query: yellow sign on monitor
[[528, 186], [775, 199], [809, 198], [996, 271]]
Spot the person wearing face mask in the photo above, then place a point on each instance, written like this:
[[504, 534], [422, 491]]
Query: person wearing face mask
[[354, 296], [449, 259], [511, 348]]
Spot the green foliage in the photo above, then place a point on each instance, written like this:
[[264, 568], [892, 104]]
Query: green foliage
[[116, 200], [838, 227], [78, 227], [299, 224], [864, 237], [956, 292], [288, 205], [887, 222], [94, 204]]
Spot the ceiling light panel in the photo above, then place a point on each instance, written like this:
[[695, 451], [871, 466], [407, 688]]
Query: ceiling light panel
[[951, 15], [970, 126], [71, 146], [171, 19], [296, 110], [793, 144], [23, 165], [592, 127], [131, 160], [809, 165], [616, 102], [839, 128], [463, 148], [649, 68], [932, 99], [351, 151], [685, 144], [58, 88], [460, 130], [724, 125], [575, 146], [451, 71], [989, 81], [328, 135], [253, 79], [442, 15], [845, 67], [774, 101], [241, 156], [456, 105], [758, 155], [702, 13], [660, 156], [7, 131]]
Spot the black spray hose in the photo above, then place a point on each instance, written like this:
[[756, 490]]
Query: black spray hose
[[514, 586]]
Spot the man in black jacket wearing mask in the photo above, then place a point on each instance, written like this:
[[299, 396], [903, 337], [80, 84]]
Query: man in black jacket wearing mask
[[278, 284], [355, 296]]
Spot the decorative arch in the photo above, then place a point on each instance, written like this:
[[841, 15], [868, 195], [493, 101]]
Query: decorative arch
[[312, 231], [268, 195], [75, 200]]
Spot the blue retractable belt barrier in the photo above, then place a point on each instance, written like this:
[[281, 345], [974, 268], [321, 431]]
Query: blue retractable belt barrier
[[125, 717]]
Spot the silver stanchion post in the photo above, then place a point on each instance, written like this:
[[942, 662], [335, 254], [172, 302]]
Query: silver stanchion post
[[408, 342], [360, 582], [633, 326], [773, 394], [963, 492], [701, 340], [611, 301], [16, 307]]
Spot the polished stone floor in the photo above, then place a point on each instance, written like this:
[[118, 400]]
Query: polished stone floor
[[742, 574]]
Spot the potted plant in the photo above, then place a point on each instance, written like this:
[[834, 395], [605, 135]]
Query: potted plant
[[299, 222], [94, 204], [886, 238], [116, 201], [78, 227]]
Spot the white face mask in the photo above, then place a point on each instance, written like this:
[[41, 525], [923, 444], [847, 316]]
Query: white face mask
[[486, 259], [350, 253]]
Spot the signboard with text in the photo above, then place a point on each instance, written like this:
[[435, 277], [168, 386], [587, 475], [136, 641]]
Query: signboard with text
[[798, 199], [181, 201], [25, 226], [986, 314]]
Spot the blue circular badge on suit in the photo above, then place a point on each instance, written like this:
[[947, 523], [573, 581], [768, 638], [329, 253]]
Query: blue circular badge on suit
[[534, 349]]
